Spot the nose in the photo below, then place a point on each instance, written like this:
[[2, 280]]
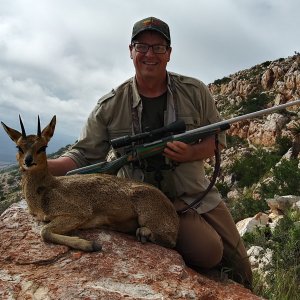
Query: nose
[[150, 51], [28, 160]]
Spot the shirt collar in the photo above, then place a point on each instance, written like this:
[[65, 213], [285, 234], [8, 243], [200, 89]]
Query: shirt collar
[[135, 94]]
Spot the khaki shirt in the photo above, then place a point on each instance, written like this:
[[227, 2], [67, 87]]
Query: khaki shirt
[[187, 98]]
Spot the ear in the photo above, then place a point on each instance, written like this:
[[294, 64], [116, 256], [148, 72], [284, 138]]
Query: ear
[[13, 134], [130, 51], [169, 52], [48, 131]]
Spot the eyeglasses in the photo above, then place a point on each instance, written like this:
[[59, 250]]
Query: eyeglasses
[[157, 49]]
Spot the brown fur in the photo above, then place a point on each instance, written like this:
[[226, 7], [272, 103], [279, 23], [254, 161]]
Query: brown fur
[[89, 201]]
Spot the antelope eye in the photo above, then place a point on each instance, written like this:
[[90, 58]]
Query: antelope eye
[[42, 149], [20, 149]]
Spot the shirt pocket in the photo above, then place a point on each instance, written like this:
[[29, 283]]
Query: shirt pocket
[[191, 122]]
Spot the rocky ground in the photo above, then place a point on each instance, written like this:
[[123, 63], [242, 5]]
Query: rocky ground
[[124, 269]]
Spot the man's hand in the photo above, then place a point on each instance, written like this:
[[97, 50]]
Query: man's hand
[[179, 151], [182, 152]]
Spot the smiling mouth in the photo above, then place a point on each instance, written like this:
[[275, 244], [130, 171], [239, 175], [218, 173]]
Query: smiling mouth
[[150, 63]]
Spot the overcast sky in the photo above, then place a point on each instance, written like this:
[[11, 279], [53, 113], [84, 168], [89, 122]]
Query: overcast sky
[[60, 56]]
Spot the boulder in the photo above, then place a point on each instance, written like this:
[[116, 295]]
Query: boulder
[[259, 257], [250, 224], [283, 203], [124, 269]]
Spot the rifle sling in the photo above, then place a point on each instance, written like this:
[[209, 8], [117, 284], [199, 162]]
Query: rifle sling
[[197, 202]]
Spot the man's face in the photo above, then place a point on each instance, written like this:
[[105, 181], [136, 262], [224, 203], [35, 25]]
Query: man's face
[[149, 65]]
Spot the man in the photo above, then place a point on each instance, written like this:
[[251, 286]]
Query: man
[[207, 237]]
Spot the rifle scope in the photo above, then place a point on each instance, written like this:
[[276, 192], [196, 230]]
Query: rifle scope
[[175, 127]]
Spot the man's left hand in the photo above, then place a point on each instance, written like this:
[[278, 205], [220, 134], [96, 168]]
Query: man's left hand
[[179, 151]]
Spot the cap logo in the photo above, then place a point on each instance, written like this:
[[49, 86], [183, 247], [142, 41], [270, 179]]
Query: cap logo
[[151, 22]]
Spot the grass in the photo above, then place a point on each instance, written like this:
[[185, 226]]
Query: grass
[[280, 279]]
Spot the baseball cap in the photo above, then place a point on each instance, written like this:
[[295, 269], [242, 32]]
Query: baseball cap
[[154, 24]]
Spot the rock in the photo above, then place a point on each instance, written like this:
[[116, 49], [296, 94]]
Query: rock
[[268, 79], [250, 224], [259, 257], [282, 203], [125, 269], [296, 206]]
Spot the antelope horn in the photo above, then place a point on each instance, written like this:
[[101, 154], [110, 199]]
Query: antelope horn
[[22, 127], [39, 133]]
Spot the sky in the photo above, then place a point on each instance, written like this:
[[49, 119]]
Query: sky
[[58, 57]]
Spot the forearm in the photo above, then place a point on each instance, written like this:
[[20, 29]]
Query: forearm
[[204, 149], [60, 166]]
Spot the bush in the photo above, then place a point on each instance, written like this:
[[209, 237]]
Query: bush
[[255, 102], [223, 188], [10, 180], [284, 272], [246, 207], [266, 63], [249, 169], [286, 178], [223, 80], [233, 141], [259, 237], [283, 144]]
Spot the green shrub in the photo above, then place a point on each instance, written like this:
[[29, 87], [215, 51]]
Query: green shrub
[[250, 168], [259, 237], [266, 63], [246, 207], [284, 272], [283, 144], [286, 241], [255, 102], [223, 80], [286, 178], [223, 188], [10, 180], [233, 141]]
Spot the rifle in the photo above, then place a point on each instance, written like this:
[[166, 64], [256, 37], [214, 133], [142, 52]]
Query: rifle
[[136, 152]]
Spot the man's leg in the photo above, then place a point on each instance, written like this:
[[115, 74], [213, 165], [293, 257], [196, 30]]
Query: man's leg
[[198, 243], [206, 240], [235, 256]]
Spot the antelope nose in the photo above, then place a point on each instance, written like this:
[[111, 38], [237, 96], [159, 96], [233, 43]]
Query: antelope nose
[[28, 160]]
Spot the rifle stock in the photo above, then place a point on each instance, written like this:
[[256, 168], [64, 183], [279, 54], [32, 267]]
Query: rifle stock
[[111, 167], [191, 136]]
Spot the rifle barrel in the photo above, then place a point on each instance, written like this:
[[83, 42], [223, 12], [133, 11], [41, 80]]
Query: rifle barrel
[[223, 125]]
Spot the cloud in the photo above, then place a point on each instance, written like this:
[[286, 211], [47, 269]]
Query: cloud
[[59, 57]]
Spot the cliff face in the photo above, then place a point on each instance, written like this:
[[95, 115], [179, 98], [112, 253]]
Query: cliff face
[[262, 86]]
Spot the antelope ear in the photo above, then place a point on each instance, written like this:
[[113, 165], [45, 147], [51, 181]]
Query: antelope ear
[[48, 131], [12, 133]]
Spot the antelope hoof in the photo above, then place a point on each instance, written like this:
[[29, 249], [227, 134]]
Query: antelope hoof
[[143, 234], [96, 246]]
